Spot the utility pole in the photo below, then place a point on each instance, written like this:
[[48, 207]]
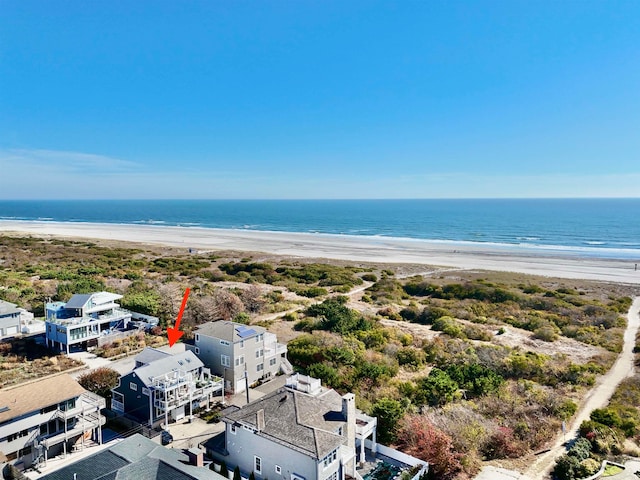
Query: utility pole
[[246, 382]]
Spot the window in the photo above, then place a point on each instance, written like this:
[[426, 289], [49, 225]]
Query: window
[[278, 469], [257, 463], [145, 391], [333, 476], [17, 435], [272, 362], [68, 405], [224, 342], [197, 351], [329, 459], [240, 360], [48, 409], [197, 337], [241, 343], [259, 353], [133, 386], [232, 428], [225, 360], [260, 367]]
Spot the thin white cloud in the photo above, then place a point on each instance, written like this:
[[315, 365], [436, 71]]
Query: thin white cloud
[[69, 162], [50, 174]]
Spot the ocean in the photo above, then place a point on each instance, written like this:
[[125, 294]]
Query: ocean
[[608, 228]]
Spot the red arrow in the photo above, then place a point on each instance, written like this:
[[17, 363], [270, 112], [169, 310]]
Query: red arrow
[[174, 333]]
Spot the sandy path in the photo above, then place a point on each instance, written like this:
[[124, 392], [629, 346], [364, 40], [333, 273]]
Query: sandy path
[[598, 397], [536, 261]]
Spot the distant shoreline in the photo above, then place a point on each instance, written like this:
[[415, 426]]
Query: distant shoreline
[[464, 255]]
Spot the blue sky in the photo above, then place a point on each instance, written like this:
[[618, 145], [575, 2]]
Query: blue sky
[[319, 99]]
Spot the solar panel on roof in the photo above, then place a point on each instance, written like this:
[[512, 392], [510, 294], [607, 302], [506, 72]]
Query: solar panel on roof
[[246, 332]]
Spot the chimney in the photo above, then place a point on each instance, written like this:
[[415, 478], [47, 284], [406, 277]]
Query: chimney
[[196, 457], [260, 419], [349, 414]]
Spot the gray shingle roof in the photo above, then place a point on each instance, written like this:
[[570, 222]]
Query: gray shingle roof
[[149, 355], [91, 467], [135, 458], [186, 361], [226, 330], [305, 423]]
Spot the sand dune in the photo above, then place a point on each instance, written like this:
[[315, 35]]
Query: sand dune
[[537, 261]]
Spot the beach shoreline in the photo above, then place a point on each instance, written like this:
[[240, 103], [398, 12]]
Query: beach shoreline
[[570, 263]]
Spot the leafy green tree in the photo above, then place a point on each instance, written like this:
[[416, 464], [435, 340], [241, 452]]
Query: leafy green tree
[[236, 473], [326, 373], [436, 389], [336, 317], [606, 416], [100, 381], [388, 412], [566, 467]]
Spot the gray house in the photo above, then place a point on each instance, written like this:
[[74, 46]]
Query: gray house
[[299, 432], [164, 387], [239, 353], [137, 458]]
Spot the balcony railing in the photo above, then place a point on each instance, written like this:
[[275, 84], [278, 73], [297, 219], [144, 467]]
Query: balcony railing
[[112, 314], [274, 349]]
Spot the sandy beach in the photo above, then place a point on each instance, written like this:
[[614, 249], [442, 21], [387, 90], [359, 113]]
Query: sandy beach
[[552, 263]]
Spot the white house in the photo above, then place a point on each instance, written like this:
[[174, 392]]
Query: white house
[[85, 318], [299, 432]]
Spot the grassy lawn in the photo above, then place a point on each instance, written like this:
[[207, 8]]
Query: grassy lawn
[[612, 470]]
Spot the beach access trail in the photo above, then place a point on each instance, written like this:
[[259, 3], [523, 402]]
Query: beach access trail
[[598, 397]]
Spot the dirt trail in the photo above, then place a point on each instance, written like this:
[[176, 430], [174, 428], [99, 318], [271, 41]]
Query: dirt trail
[[598, 397]]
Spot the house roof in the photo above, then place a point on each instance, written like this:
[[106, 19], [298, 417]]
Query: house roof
[[79, 300], [302, 422], [33, 396], [134, 458], [149, 355], [185, 361], [8, 308], [229, 331]]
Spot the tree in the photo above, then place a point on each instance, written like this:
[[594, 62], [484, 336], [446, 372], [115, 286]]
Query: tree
[[566, 467], [252, 476], [100, 381], [388, 412], [436, 389], [252, 299], [236, 473], [420, 438], [227, 304]]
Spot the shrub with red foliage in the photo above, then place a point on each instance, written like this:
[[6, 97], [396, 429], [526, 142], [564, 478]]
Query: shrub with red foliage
[[503, 444], [420, 438]]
